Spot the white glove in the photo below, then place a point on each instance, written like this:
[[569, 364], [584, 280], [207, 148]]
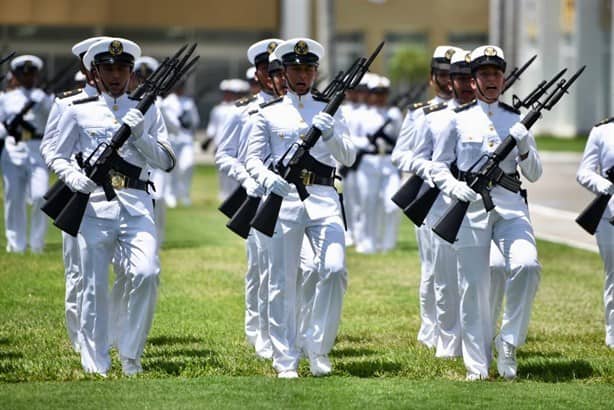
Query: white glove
[[428, 178], [521, 134], [462, 192], [253, 188], [325, 123], [37, 95], [18, 152], [78, 182], [604, 187], [135, 120], [276, 184]]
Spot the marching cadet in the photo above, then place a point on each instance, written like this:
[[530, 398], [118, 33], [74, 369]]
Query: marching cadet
[[254, 85], [182, 119], [401, 157], [230, 159], [275, 128], [70, 247], [477, 129], [219, 115], [598, 158], [377, 177], [429, 129], [123, 226], [25, 175]]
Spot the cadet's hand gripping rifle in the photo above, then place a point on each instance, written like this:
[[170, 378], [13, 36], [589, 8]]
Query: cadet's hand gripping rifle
[[292, 162], [490, 174], [67, 207]]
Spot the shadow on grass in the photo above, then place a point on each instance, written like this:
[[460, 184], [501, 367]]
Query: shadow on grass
[[553, 371], [530, 355], [10, 355], [344, 337], [352, 352], [173, 340], [168, 245], [174, 363], [4, 341], [369, 368], [182, 353]]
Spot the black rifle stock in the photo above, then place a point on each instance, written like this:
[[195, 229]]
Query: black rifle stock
[[233, 202], [408, 192], [419, 208], [490, 174], [240, 221], [590, 217], [68, 213], [292, 162]]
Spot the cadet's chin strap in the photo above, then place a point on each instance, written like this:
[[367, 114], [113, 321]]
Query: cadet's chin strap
[[105, 85]]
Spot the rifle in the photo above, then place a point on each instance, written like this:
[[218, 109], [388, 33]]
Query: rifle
[[490, 174], [515, 74], [419, 208], [297, 156], [410, 96], [591, 215], [67, 207], [379, 133]]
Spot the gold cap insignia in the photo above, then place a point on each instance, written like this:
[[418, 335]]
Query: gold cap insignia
[[271, 47], [301, 48], [468, 58], [449, 53], [490, 52], [116, 48]]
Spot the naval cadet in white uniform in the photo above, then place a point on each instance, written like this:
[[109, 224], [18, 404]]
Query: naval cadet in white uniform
[[401, 157], [24, 173], [70, 246], [475, 130], [230, 160], [123, 226], [276, 127], [597, 160]]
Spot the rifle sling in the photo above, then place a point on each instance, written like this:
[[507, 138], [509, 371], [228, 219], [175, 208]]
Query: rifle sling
[[511, 182], [314, 172]]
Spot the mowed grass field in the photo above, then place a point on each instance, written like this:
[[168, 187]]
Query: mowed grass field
[[197, 356]]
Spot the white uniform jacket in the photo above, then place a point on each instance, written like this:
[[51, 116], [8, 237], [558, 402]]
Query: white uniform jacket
[[181, 118], [477, 129], [85, 124], [11, 104], [406, 143], [276, 127], [598, 158]]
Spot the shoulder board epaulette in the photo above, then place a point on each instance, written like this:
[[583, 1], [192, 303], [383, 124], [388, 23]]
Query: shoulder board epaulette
[[465, 106], [86, 100], [509, 108], [415, 106], [320, 97], [245, 100], [273, 101], [252, 112], [605, 121], [70, 93], [434, 107]]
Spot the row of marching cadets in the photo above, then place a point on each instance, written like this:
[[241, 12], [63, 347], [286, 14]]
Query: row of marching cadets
[[368, 185], [495, 256], [119, 231], [296, 276]]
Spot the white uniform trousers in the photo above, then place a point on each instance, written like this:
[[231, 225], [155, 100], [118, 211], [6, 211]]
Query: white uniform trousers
[[72, 296], [447, 298], [307, 281], [515, 239], [131, 241], [160, 180], [263, 339], [498, 278], [27, 181], [368, 182], [252, 283], [388, 213], [351, 203], [428, 316], [605, 242], [181, 175], [327, 239]]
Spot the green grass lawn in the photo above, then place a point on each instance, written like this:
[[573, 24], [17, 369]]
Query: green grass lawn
[[197, 357], [558, 144]]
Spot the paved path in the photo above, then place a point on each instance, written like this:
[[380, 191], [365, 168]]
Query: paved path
[[556, 199]]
